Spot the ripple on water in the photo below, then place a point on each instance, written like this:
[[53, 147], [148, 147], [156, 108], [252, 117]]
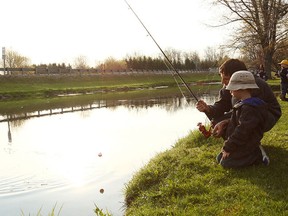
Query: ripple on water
[[13, 185]]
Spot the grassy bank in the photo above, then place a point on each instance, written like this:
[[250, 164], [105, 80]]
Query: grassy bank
[[34, 93], [186, 180], [15, 87]]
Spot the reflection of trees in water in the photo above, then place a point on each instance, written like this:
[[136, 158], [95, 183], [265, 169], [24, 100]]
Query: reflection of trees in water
[[85, 114], [17, 122], [170, 104], [167, 103], [9, 133]]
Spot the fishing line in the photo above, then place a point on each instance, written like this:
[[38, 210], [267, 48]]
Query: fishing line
[[211, 76], [205, 86], [165, 56], [178, 85]]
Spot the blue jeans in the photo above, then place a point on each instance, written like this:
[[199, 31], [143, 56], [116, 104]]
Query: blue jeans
[[240, 159], [284, 88]]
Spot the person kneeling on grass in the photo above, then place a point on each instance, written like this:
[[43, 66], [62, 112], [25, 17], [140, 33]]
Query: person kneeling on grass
[[245, 128]]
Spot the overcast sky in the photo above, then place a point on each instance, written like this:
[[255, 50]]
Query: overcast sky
[[56, 31]]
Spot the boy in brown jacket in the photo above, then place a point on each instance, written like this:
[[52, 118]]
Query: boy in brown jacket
[[246, 125]]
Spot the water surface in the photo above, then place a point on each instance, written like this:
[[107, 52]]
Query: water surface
[[66, 159]]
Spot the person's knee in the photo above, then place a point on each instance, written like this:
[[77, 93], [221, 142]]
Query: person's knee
[[225, 164]]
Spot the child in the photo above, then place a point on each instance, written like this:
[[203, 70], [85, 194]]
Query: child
[[284, 79], [219, 112], [245, 128]]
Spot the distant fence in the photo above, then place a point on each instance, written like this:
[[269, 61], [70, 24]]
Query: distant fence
[[70, 71]]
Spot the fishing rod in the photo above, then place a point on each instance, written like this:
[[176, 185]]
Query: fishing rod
[[202, 128], [165, 56]]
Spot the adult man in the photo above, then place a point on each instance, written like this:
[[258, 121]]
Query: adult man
[[219, 111]]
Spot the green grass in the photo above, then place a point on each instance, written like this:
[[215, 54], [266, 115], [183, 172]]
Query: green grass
[[15, 87], [52, 213], [186, 180]]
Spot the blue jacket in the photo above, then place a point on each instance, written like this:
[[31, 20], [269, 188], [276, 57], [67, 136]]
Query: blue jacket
[[283, 75]]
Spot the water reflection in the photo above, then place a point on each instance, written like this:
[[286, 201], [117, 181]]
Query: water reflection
[[171, 103], [69, 155], [9, 132]]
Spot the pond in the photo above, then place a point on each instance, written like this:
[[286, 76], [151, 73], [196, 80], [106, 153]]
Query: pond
[[79, 157]]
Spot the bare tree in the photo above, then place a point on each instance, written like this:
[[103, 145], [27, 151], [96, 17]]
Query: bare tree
[[280, 54], [113, 64], [193, 56], [262, 25], [80, 63], [15, 60]]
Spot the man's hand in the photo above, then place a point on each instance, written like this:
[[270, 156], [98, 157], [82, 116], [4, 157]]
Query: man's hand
[[219, 128], [202, 106]]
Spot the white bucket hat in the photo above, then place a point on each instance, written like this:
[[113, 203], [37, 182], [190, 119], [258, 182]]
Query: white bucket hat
[[242, 80]]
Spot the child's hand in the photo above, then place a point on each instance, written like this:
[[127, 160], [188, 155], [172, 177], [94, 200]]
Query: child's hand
[[225, 154], [219, 128]]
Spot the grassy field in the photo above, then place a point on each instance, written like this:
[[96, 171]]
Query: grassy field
[[15, 87], [186, 180], [22, 87]]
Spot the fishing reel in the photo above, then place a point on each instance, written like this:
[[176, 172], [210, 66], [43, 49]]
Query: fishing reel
[[204, 131]]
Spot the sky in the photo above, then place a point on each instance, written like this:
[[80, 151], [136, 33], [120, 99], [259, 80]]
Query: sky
[[59, 31]]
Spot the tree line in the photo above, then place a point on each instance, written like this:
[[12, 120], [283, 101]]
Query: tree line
[[180, 60], [260, 38]]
